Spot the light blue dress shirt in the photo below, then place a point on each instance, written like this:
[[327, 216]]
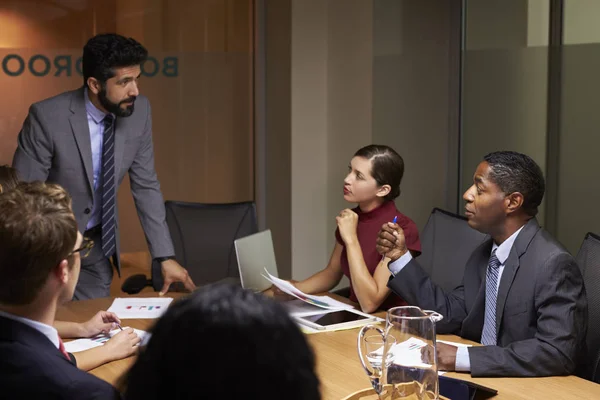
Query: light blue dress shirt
[[463, 363], [95, 118]]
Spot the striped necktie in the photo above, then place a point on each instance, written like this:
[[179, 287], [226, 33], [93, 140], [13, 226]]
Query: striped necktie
[[108, 187], [488, 335]]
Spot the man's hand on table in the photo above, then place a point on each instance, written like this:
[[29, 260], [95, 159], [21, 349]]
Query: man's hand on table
[[172, 272], [446, 356]]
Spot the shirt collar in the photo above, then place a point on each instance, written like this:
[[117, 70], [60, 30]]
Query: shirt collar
[[50, 332], [503, 250], [93, 111]]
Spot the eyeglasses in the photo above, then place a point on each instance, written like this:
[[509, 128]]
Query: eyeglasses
[[86, 246]]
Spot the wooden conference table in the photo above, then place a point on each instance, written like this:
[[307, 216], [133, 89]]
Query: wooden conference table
[[338, 366]]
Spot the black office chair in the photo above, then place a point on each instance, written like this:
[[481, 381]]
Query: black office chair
[[447, 242], [203, 236], [588, 258]]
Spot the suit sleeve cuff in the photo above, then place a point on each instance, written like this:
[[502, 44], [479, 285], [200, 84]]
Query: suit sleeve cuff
[[161, 259], [397, 266], [463, 363]]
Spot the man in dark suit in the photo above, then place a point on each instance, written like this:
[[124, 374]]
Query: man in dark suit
[[522, 294], [39, 263], [86, 140]]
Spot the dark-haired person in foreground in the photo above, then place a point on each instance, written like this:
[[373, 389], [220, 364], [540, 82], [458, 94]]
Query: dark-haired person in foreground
[[372, 183], [224, 342], [86, 140], [522, 294], [40, 259]]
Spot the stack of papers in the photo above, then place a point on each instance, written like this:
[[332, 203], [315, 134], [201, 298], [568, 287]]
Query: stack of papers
[[97, 341], [140, 307], [318, 301], [408, 353]]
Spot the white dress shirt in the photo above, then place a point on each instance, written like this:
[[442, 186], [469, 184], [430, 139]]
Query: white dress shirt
[[463, 362], [49, 331]]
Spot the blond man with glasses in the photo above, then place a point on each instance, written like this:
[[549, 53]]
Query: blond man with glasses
[[120, 346], [40, 260]]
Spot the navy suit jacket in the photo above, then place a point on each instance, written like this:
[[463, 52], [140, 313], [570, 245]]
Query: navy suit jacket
[[541, 309], [31, 367]]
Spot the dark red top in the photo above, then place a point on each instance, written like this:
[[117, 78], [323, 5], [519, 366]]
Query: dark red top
[[367, 230]]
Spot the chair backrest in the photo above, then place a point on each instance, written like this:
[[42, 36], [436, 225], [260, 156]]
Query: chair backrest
[[203, 236], [588, 258], [447, 242]]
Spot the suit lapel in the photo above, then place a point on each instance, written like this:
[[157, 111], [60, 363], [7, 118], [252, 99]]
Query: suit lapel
[[81, 132], [120, 136], [511, 266]]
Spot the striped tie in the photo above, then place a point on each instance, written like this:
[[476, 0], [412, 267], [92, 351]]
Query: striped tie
[[108, 187], [488, 336]]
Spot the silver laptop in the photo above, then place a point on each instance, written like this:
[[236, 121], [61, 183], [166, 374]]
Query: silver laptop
[[254, 254]]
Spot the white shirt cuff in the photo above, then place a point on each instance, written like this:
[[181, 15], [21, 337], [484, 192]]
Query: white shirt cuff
[[463, 363], [397, 266]]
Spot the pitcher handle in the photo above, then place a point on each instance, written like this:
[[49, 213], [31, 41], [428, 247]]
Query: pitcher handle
[[435, 316], [361, 336]]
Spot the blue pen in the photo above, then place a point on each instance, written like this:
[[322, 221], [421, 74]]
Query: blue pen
[[393, 222]]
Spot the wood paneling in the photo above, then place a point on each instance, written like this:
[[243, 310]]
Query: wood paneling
[[202, 119]]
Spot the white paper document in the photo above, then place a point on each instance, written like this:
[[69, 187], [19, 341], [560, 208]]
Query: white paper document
[[408, 353], [140, 307], [97, 341], [319, 301], [299, 308]]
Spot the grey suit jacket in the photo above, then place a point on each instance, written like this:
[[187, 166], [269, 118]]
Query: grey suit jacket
[[54, 145], [541, 315]]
